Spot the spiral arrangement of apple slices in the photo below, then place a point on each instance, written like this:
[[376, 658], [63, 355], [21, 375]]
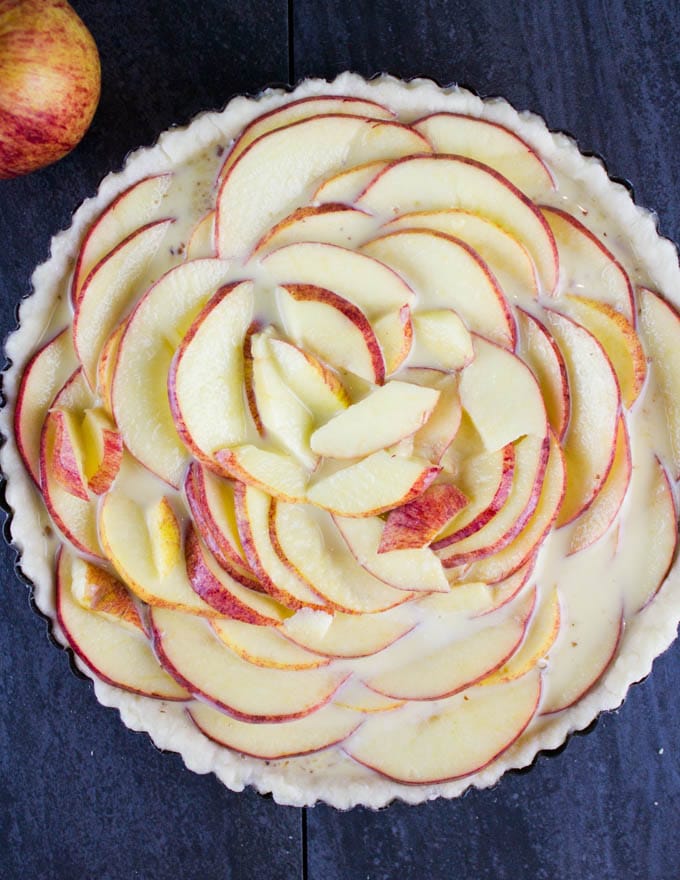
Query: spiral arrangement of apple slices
[[351, 470]]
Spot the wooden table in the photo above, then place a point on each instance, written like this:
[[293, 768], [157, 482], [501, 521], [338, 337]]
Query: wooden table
[[80, 796]]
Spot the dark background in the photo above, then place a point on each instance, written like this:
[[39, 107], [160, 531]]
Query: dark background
[[80, 796]]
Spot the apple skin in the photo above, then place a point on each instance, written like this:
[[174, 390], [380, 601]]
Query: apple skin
[[50, 82]]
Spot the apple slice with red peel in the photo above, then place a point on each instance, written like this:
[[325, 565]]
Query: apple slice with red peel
[[165, 535], [265, 646], [508, 260], [346, 186], [67, 462], [618, 338], [417, 523], [356, 696], [347, 636], [309, 542], [457, 182], [501, 395], [373, 485], [103, 447], [275, 171], [317, 386], [154, 329], [328, 726], [476, 598], [590, 439], [43, 376], [222, 593], [538, 350], [594, 522], [254, 517], [205, 382], [109, 290], [660, 323], [211, 502], [95, 589], [273, 472], [436, 435], [107, 366], [333, 329], [190, 651], [331, 223], [490, 143], [587, 265], [390, 413], [135, 207], [116, 651], [201, 242], [448, 274], [442, 341], [394, 332], [456, 737], [414, 569]]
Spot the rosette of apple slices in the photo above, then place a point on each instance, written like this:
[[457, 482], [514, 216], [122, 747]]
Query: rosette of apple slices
[[336, 475]]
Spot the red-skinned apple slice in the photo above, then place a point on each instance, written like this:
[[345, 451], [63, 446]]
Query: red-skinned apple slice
[[434, 438], [590, 439], [191, 652], [356, 696], [443, 181], [274, 171], [96, 590], [140, 399], [273, 472], [346, 635], [442, 341], [107, 366], [476, 598], [331, 223], [346, 186], [317, 386], [587, 265], [205, 381], [201, 242], [165, 535], [417, 523], [103, 450], [448, 274], [117, 653], [135, 207], [394, 332], [457, 737], [329, 726], [67, 462], [490, 143], [265, 646], [539, 351]]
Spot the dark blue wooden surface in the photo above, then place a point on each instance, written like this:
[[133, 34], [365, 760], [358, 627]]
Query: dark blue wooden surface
[[82, 797]]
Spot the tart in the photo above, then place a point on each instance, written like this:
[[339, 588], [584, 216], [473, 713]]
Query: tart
[[344, 438]]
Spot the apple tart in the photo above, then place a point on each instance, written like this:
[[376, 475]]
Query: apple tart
[[344, 438]]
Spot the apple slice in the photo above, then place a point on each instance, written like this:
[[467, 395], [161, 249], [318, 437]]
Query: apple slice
[[586, 265], [135, 207], [590, 439], [346, 186], [541, 354], [273, 472], [67, 460], [416, 569], [394, 332], [347, 636], [501, 396], [436, 435], [265, 646], [333, 328], [388, 414], [356, 696], [661, 327], [103, 447], [448, 274], [455, 737], [95, 589], [373, 485], [165, 535], [309, 542], [476, 598], [442, 341], [107, 366], [43, 376], [117, 653], [140, 397], [191, 652], [331, 223], [205, 382], [417, 523], [317, 386], [201, 242], [108, 291], [271, 175], [442, 181], [490, 143], [327, 727]]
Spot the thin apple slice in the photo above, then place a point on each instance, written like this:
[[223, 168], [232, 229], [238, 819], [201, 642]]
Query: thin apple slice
[[356, 696], [394, 332], [135, 207], [265, 646], [67, 461], [476, 598], [448, 274], [327, 727], [586, 265], [118, 654], [590, 439], [309, 542], [273, 472], [43, 376], [271, 175], [417, 570], [388, 414], [331, 223], [155, 328], [103, 447], [442, 341], [373, 485], [457, 182], [205, 381], [456, 737], [346, 186], [541, 354], [417, 523], [333, 328], [661, 327], [490, 143], [317, 386], [108, 291], [107, 366], [594, 522], [191, 652], [201, 242], [501, 396], [165, 535], [347, 636], [436, 435], [96, 590]]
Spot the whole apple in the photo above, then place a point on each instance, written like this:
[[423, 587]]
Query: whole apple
[[49, 83]]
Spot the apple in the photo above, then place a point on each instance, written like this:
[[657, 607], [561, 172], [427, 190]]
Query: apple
[[417, 523], [67, 462], [349, 636], [315, 383], [50, 82], [356, 696], [274, 472], [266, 646], [394, 332], [442, 341], [107, 366], [346, 186], [103, 447], [331, 223], [201, 243], [436, 435]]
